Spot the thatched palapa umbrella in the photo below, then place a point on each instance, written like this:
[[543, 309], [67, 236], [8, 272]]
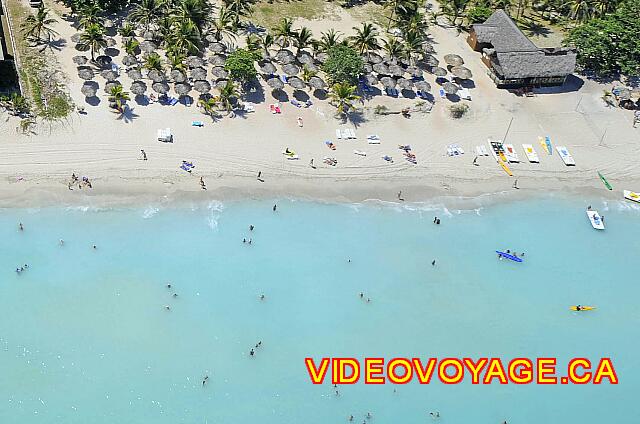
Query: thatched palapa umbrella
[[396, 70], [75, 38], [461, 72], [198, 73], [423, 86], [453, 60], [217, 60], [104, 61], [108, 86], [138, 88], [129, 60], [282, 54], [286, 60], [305, 57], [367, 68], [430, 60], [217, 47], [439, 72], [414, 71], [109, 75], [89, 88], [160, 87], [202, 86], [296, 83], [85, 73], [450, 88], [177, 76], [317, 83], [311, 67], [267, 67], [219, 84], [148, 35], [148, 46], [194, 62], [80, 60], [134, 74], [372, 58], [388, 82], [381, 68], [371, 80], [182, 88], [275, 83], [405, 84], [219, 72], [322, 57], [155, 75], [110, 41], [290, 69]]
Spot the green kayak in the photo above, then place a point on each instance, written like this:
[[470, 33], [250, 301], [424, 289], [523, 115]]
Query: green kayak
[[604, 180]]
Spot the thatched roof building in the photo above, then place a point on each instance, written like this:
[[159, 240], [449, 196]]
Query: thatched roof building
[[513, 60]]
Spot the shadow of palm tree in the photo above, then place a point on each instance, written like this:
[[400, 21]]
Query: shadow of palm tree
[[127, 115], [56, 45], [535, 29]]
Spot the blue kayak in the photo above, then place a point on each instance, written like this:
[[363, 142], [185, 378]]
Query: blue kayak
[[509, 256]]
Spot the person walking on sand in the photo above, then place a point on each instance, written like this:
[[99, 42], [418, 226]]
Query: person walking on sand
[[259, 175], [475, 161], [311, 164], [144, 154], [202, 184], [515, 184], [400, 196]]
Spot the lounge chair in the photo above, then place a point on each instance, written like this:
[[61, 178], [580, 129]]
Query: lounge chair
[[296, 103], [442, 93], [248, 108], [338, 134], [283, 78]]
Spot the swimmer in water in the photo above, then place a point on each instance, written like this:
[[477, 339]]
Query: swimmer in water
[[167, 307], [94, 246], [433, 263], [351, 418], [61, 242], [168, 286], [204, 380], [275, 207], [251, 352], [244, 240], [361, 295], [262, 297], [20, 226], [368, 414], [249, 241], [260, 343], [175, 295], [250, 227]]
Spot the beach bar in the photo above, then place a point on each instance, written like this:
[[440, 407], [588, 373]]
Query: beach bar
[[513, 61]]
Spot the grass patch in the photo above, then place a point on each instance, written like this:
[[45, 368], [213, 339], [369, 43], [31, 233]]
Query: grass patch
[[37, 71], [269, 13], [370, 12]]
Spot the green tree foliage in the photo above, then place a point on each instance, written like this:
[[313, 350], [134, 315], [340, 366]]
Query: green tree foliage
[[37, 27], [240, 65], [344, 65], [479, 13], [93, 39], [343, 97], [610, 44]]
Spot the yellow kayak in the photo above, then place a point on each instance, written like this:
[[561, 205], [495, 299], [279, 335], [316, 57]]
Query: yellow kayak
[[506, 168], [583, 308]]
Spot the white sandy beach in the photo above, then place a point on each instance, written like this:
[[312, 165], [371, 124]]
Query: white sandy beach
[[230, 152]]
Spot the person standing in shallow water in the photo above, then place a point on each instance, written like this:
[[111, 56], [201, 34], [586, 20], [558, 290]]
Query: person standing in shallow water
[[275, 207]]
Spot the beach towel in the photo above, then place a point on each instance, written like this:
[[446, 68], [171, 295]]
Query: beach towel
[[197, 124], [295, 103], [360, 153], [172, 101], [283, 78], [278, 110], [442, 93], [387, 158], [272, 108]]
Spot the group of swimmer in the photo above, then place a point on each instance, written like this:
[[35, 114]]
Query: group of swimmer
[[514, 253], [168, 308], [368, 416], [22, 268], [252, 351], [362, 297], [244, 240], [436, 220]]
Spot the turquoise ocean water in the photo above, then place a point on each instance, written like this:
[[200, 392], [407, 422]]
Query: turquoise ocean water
[[85, 336]]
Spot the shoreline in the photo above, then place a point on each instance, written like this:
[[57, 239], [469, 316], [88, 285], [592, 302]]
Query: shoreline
[[111, 192]]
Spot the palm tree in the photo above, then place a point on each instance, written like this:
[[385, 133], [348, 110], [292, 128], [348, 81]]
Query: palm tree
[[131, 46], [127, 30], [93, 39], [414, 43], [416, 23], [222, 25], [580, 9], [238, 9], [307, 73], [196, 11], [455, 8], [185, 38], [253, 43], [228, 93], [90, 15], [343, 96], [303, 39], [208, 106], [39, 25], [365, 38], [147, 12], [329, 39], [118, 96], [176, 61], [153, 61], [266, 41], [284, 32], [393, 48]]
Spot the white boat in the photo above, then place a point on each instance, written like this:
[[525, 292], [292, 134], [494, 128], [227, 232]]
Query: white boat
[[596, 221], [532, 156], [565, 156], [630, 195], [511, 154]]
